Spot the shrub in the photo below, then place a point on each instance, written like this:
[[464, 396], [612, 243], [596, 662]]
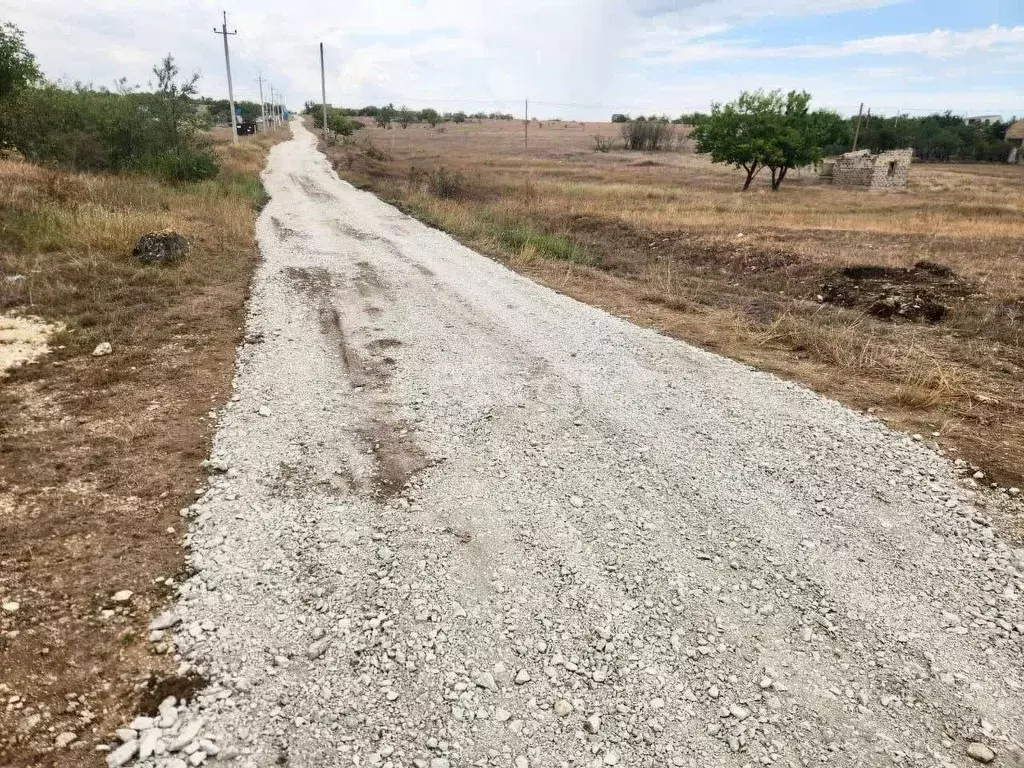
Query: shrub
[[440, 182], [648, 135], [603, 144], [88, 129]]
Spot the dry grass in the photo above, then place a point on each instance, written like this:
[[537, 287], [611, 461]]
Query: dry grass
[[668, 240], [98, 454]]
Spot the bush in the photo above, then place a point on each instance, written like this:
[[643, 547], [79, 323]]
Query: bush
[[440, 182], [648, 135], [99, 130], [338, 120], [603, 144]]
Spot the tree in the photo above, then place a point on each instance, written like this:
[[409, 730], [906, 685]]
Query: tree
[[176, 99], [766, 130], [385, 115], [430, 115], [406, 116], [18, 68]]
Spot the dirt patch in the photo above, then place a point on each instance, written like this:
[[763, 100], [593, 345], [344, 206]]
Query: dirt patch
[[397, 455], [921, 293], [283, 232], [367, 281], [311, 188], [158, 688]]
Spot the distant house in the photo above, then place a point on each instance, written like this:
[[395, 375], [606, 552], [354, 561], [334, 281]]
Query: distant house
[[1015, 135], [987, 119]]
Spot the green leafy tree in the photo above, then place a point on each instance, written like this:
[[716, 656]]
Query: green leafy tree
[[405, 116], [767, 130], [385, 115], [18, 68], [431, 116]]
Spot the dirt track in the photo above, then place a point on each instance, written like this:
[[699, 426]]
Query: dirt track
[[460, 519]]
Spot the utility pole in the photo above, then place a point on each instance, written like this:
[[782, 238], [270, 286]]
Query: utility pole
[[323, 88], [263, 104], [273, 112], [526, 125], [856, 133], [227, 63]]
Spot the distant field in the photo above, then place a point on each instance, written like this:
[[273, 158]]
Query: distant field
[[799, 282]]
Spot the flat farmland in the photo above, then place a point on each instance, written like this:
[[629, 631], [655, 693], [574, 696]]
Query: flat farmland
[[908, 303]]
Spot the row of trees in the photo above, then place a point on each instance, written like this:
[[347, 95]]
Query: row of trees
[[940, 137], [943, 138], [389, 114], [87, 128]]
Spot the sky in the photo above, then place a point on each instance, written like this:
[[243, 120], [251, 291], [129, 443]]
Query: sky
[[573, 59]]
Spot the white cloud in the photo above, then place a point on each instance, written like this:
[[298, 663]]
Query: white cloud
[[937, 44], [471, 54]]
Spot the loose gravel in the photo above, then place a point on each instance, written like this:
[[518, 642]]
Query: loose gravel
[[457, 519]]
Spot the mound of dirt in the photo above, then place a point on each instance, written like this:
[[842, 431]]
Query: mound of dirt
[[921, 293]]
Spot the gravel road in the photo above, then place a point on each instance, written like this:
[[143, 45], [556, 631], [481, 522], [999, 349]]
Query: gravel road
[[458, 519]]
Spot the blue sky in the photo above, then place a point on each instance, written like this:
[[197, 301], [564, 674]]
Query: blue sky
[[581, 59]]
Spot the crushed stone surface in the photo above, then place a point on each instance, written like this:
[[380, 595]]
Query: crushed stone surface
[[458, 519]]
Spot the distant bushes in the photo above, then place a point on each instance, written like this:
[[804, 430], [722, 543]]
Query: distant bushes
[[648, 135], [338, 121], [85, 128], [940, 137]]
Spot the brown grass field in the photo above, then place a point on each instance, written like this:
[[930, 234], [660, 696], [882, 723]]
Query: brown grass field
[[98, 454], [796, 282]]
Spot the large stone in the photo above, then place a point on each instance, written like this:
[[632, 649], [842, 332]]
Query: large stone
[[981, 753], [162, 247]]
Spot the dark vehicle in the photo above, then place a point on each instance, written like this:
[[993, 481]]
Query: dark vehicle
[[246, 127]]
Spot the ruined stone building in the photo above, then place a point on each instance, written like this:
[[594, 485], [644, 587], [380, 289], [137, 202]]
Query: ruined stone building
[[887, 170]]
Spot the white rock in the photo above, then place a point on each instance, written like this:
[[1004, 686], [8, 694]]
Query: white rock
[[522, 676], [317, 649], [11, 607], [264, 411], [592, 724], [486, 680], [147, 744], [163, 621], [141, 723], [502, 715], [123, 596], [981, 753], [576, 501], [103, 348], [122, 754], [185, 736], [65, 738], [563, 708]]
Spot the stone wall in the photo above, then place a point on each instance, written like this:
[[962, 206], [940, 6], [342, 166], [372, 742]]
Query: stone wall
[[888, 170]]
